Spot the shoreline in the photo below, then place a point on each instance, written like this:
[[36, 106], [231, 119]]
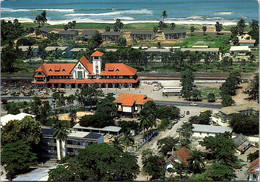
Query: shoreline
[[187, 22]]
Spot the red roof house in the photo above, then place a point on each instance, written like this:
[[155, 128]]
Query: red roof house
[[129, 104], [179, 156], [253, 170], [73, 75]]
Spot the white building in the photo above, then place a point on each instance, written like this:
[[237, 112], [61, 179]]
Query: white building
[[5, 119], [201, 131]]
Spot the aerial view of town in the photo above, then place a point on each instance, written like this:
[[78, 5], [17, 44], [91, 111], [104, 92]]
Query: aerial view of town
[[129, 90]]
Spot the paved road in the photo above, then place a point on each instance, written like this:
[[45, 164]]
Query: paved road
[[214, 106]]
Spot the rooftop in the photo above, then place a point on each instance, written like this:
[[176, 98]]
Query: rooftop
[[107, 128], [182, 154], [78, 49], [53, 48], [157, 50], [127, 99], [173, 31], [25, 48], [46, 29], [240, 48], [111, 33], [236, 109], [67, 32], [210, 129], [200, 49], [252, 41], [89, 32], [148, 32], [253, 165], [5, 119], [97, 53]]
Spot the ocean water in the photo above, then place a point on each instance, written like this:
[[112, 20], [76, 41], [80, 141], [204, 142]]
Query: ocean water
[[132, 10]]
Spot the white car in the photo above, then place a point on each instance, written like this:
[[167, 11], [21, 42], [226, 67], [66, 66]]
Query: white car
[[193, 104]]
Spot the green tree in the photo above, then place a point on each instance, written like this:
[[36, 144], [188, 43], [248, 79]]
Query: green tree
[[203, 118], [73, 115], [164, 15], [98, 120], [204, 29], [186, 131], [227, 100], [187, 79], [181, 169], [117, 144], [172, 26], [154, 166], [166, 145], [162, 25], [196, 95], [27, 130], [166, 112], [253, 88], [196, 161], [70, 99], [8, 57], [221, 148], [155, 29], [61, 135], [247, 125], [65, 27], [241, 26], [253, 156], [74, 23], [211, 97], [97, 162], [218, 27], [192, 29], [119, 24], [121, 41], [107, 28], [220, 172], [201, 177], [254, 30], [17, 157]]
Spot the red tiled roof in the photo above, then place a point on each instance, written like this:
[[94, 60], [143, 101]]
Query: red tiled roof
[[253, 165], [97, 54], [182, 154], [93, 80], [127, 99], [118, 69], [86, 64], [39, 82], [56, 69], [39, 76]]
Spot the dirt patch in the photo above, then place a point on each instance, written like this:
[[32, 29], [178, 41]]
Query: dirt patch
[[79, 115]]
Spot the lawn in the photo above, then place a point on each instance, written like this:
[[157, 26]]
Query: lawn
[[206, 90], [211, 39]]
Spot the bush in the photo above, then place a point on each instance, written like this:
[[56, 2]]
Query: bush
[[164, 124], [98, 120]]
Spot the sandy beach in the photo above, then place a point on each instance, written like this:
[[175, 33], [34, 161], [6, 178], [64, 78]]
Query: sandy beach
[[187, 22]]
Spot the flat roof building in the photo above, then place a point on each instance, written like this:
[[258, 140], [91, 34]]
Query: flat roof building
[[53, 48], [5, 119], [201, 131], [174, 34], [111, 36], [142, 34]]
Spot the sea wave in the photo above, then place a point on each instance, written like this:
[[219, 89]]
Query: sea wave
[[56, 10], [21, 19], [196, 18], [126, 18], [223, 13], [129, 12]]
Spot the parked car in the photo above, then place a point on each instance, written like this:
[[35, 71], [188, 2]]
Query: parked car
[[170, 127], [193, 104], [178, 129], [43, 97]]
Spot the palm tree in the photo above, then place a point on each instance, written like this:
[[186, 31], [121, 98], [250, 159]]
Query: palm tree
[[147, 121], [61, 135], [219, 27], [73, 115], [116, 143], [204, 29], [129, 140], [74, 23], [164, 14], [192, 29], [172, 26], [196, 161], [186, 131]]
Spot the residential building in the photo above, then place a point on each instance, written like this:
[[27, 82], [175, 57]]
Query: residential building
[[131, 104], [249, 43], [179, 156], [253, 171], [113, 130], [157, 51], [76, 50], [35, 49], [240, 50], [111, 36], [87, 34], [142, 34], [203, 50], [5, 119], [44, 31], [241, 143], [74, 75], [76, 140], [53, 48], [223, 116], [174, 34], [68, 34], [201, 131]]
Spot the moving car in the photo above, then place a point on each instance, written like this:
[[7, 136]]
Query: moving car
[[193, 104]]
